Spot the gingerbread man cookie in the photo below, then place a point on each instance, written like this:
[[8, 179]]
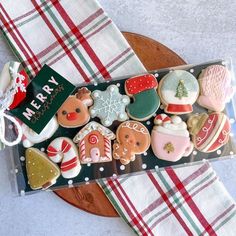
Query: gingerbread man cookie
[[146, 100], [132, 138], [41, 172], [94, 142], [170, 138], [215, 87], [209, 131], [109, 105], [63, 150], [74, 111], [178, 90]]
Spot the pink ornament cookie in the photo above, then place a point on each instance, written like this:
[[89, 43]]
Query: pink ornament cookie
[[215, 88], [209, 131], [178, 90], [64, 150], [94, 142], [170, 139], [132, 138]]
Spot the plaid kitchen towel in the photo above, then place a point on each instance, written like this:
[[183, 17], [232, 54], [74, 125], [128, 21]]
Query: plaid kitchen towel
[[77, 39], [183, 201], [74, 37]]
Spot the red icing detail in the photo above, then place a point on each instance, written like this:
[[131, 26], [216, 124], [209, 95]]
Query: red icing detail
[[160, 117], [71, 116], [69, 167], [222, 137], [140, 83], [51, 151], [65, 146], [93, 139], [66, 163], [20, 96], [179, 108], [201, 134]]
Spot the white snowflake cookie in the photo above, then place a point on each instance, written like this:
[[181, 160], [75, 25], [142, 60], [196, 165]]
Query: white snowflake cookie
[[109, 105]]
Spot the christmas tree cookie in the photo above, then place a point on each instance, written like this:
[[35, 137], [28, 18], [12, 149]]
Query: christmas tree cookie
[[146, 100], [178, 90], [41, 172]]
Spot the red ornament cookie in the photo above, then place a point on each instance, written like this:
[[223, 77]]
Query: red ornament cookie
[[74, 111], [94, 142], [209, 131], [132, 138]]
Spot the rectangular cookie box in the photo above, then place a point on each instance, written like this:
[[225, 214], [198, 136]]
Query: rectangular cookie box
[[144, 162]]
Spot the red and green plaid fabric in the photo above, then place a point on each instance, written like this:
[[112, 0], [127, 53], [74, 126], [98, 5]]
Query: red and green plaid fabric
[[77, 39], [183, 201], [74, 37]]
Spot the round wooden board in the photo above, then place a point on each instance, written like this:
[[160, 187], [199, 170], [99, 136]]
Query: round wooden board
[[90, 197]]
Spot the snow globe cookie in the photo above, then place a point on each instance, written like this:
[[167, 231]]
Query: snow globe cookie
[[178, 90], [146, 102], [109, 105], [209, 131], [94, 143], [170, 139], [215, 88], [132, 138], [74, 111]]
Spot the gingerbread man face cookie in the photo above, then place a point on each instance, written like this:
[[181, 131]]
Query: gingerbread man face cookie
[[146, 100], [170, 138], [74, 111], [215, 87], [132, 138], [109, 105], [209, 131], [178, 90]]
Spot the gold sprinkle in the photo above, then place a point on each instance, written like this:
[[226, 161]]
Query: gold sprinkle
[[169, 147]]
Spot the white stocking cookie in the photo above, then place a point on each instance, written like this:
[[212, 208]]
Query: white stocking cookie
[[64, 150], [109, 105]]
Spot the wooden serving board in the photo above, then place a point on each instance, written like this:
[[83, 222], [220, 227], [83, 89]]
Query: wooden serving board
[[153, 55]]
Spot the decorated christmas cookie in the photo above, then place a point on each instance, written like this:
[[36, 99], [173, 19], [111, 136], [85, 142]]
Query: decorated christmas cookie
[[94, 142], [132, 138], [74, 111], [146, 100], [170, 138], [215, 87], [30, 137], [109, 105], [178, 90], [64, 150], [209, 131], [41, 172]]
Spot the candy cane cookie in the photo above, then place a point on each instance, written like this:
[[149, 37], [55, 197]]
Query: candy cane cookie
[[64, 150]]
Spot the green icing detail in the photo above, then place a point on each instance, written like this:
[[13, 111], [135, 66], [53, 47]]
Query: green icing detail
[[181, 90], [145, 104]]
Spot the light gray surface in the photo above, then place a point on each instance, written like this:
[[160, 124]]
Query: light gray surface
[[198, 31]]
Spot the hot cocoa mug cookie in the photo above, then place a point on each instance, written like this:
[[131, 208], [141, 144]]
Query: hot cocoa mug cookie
[[74, 111], [215, 87], [209, 131], [178, 90], [146, 100], [170, 138], [132, 138]]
